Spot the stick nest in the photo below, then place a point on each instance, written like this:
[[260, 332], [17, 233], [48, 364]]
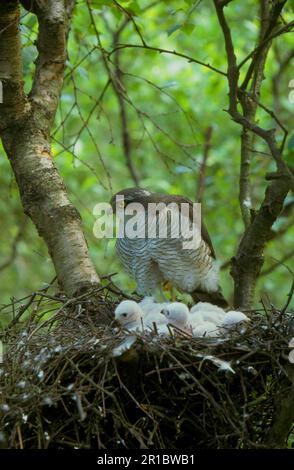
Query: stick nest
[[64, 383]]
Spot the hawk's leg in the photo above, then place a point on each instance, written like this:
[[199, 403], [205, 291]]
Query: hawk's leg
[[167, 286]]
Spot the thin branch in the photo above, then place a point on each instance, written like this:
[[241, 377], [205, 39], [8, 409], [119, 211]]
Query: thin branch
[[130, 17], [166, 51], [285, 29], [279, 263], [289, 295], [271, 19]]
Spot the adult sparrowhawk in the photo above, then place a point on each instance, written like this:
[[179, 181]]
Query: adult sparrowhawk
[[153, 260]]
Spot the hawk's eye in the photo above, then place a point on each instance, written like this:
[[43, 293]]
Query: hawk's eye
[[124, 314]]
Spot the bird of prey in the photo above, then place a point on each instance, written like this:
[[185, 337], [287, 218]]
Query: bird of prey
[[233, 318], [129, 314], [152, 261], [132, 317], [177, 314], [207, 312]]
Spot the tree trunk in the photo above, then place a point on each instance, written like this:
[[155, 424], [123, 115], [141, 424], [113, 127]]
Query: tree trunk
[[25, 125]]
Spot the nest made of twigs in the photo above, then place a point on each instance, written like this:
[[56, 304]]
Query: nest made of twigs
[[64, 383]]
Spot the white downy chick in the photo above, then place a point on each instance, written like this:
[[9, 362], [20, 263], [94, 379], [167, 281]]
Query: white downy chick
[[233, 318], [204, 311], [160, 322], [130, 315], [147, 304], [205, 306], [177, 314], [150, 307], [206, 329]]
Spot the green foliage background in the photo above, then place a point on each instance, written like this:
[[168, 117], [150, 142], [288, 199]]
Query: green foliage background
[[170, 104]]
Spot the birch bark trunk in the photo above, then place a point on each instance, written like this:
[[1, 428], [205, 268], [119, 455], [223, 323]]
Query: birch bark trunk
[[25, 125]]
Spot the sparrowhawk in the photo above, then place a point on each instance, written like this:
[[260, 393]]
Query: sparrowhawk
[[153, 260]]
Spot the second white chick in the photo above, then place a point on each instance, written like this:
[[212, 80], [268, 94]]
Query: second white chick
[[177, 314], [233, 318], [150, 307], [160, 323], [130, 315], [204, 311], [152, 314], [205, 329], [147, 304]]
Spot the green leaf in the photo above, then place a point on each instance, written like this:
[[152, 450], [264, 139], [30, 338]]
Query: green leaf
[[99, 3], [134, 8], [188, 28]]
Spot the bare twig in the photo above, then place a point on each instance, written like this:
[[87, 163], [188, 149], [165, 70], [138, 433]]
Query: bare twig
[[290, 296], [285, 29], [131, 18], [166, 51], [279, 263]]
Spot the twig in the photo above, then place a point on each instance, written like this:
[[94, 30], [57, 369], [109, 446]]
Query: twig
[[286, 257], [290, 295], [166, 51], [22, 310], [130, 17], [285, 29]]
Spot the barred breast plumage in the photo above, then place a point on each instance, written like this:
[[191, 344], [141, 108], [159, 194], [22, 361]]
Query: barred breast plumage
[[150, 261]]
